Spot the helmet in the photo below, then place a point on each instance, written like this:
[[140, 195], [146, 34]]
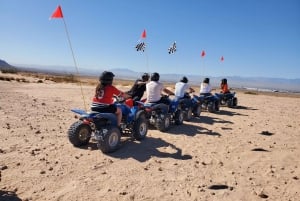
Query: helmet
[[145, 77], [106, 77], [224, 81], [206, 80], [154, 76], [184, 79]]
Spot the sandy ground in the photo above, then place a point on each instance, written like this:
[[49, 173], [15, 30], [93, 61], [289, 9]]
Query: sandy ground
[[192, 161]]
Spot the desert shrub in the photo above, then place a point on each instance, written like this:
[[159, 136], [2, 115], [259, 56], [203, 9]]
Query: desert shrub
[[9, 70], [251, 93], [65, 78]]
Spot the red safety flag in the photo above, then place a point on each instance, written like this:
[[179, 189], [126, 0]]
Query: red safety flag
[[57, 13], [222, 59], [144, 35], [203, 53]]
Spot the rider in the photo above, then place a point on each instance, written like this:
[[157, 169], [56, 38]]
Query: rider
[[154, 90], [103, 98], [205, 87], [181, 87], [139, 87], [224, 86]]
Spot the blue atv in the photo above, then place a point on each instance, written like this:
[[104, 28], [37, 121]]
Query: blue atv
[[227, 99], [209, 102], [162, 115], [190, 106], [103, 127]]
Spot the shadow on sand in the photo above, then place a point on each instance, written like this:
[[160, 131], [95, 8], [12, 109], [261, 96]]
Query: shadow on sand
[[190, 130], [230, 113], [147, 148], [209, 120], [8, 196], [142, 150], [244, 108]]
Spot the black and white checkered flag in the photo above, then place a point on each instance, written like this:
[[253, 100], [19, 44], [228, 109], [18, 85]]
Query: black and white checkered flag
[[140, 46], [172, 48]]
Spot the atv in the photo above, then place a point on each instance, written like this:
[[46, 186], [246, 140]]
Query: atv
[[190, 106], [162, 115], [227, 99], [104, 129], [209, 102]]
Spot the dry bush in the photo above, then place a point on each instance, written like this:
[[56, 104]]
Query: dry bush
[[250, 92], [5, 78], [9, 70]]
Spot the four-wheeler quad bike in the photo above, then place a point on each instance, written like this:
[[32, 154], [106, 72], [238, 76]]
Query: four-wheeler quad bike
[[103, 127], [162, 115], [227, 99], [209, 102], [189, 106]]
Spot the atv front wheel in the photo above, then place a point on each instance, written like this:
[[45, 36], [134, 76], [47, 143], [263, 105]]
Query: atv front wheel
[[211, 107], [79, 133], [110, 141]]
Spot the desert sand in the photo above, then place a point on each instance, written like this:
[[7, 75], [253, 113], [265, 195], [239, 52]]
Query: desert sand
[[246, 153]]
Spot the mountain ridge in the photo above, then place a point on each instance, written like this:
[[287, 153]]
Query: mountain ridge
[[256, 83]]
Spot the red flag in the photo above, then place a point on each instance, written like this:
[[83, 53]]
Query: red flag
[[57, 13], [222, 58], [144, 35], [203, 53]]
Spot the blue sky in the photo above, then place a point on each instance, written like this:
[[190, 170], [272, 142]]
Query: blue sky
[[255, 37]]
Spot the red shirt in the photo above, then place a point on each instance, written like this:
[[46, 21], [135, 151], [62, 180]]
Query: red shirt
[[224, 88], [106, 95]]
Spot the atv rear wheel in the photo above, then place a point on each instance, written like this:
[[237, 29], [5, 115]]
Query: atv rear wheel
[[164, 123], [79, 133], [211, 107], [189, 114], [197, 111], [110, 141], [217, 106], [179, 117], [234, 102], [140, 128]]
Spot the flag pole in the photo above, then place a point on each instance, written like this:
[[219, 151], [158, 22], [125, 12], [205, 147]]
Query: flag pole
[[147, 60], [203, 61], [58, 14], [75, 63]]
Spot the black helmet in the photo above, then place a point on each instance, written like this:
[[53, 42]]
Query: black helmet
[[184, 79], [206, 80], [145, 77], [224, 81], [106, 77], [154, 76]]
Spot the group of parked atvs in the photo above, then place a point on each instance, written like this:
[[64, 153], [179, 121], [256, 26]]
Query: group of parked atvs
[[138, 115]]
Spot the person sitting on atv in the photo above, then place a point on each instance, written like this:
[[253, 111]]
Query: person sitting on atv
[[224, 86], [139, 87], [104, 93], [205, 87], [182, 87], [154, 90]]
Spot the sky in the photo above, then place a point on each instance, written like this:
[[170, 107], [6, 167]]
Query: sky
[[257, 38]]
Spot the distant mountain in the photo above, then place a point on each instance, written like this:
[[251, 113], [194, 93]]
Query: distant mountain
[[7, 67], [4, 64], [254, 83]]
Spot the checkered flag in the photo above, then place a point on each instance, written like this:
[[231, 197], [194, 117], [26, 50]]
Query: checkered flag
[[140, 46], [172, 48]]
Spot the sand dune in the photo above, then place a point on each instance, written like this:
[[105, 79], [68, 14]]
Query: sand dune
[[246, 153]]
